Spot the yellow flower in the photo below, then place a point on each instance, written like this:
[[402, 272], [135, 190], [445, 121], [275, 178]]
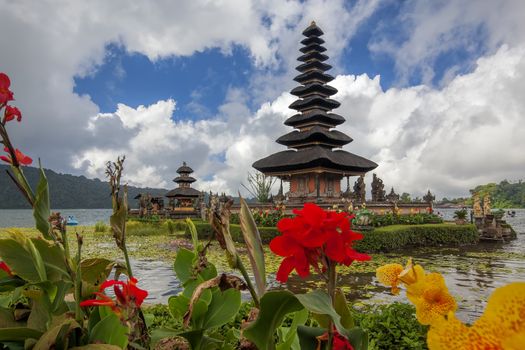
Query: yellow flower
[[502, 325], [431, 298], [389, 276], [411, 273]]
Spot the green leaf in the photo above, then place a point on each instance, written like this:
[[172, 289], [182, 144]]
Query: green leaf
[[95, 270], [320, 303], [252, 238], [183, 265], [41, 207], [9, 283], [96, 347], [194, 235], [7, 319], [40, 315], [290, 335], [308, 337], [19, 334], [53, 257], [178, 305], [38, 261], [110, 331], [199, 341], [223, 307], [341, 307], [49, 338], [357, 337], [18, 257], [198, 316], [274, 306]]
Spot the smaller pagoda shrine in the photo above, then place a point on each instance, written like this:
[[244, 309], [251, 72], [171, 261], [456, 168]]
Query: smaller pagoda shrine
[[184, 196]]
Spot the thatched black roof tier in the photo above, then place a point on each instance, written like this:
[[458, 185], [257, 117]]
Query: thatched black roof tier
[[290, 161], [312, 30], [316, 135], [317, 88], [315, 101], [312, 47], [183, 192], [311, 65], [187, 179], [312, 56], [314, 75], [312, 40], [184, 169], [314, 116]]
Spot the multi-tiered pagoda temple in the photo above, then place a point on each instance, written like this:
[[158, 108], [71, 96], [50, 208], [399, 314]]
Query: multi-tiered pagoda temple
[[313, 164], [184, 194]]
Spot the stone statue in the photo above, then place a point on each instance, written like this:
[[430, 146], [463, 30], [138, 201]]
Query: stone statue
[[360, 190], [487, 210], [392, 196], [429, 198], [476, 207], [378, 192]]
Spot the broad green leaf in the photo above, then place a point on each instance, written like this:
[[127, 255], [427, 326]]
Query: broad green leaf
[[274, 306], [199, 341], [53, 258], [198, 316], [38, 261], [208, 272], [308, 337], [19, 334], [49, 338], [96, 347], [357, 337], [41, 207], [341, 307], [110, 331], [223, 307], [19, 258], [40, 315], [7, 319], [96, 270], [254, 246], [183, 265], [7, 284], [194, 235], [178, 305], [320, 303], [290, 335]]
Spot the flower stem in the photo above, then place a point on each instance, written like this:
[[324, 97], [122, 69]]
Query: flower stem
[[331, 285], [128, 264], [249, 283]]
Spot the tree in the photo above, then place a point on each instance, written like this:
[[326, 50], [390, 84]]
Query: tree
[[405, 198], [260, 186]]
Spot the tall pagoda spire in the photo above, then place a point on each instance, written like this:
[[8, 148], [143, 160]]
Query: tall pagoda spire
[[311, 144]]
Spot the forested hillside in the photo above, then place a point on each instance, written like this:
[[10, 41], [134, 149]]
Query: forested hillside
[[67, 191], [504, 195]]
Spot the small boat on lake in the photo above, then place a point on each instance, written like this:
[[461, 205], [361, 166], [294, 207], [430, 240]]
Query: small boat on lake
[[71, 221]]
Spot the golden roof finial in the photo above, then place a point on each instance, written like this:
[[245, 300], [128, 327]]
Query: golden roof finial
[[313, 23]]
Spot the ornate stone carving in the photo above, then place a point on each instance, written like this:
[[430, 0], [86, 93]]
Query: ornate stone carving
[[476, 207], [360, 189], [487, 207], [378, 192], [392, 196]]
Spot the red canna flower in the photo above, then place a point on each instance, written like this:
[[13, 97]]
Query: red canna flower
[[12, 113], [339, 342], [127, 295], [22, 158], [3, 266], [312, 234], [5, 94]]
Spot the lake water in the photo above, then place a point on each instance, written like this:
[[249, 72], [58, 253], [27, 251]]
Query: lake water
[[472, 272], [24, 217]]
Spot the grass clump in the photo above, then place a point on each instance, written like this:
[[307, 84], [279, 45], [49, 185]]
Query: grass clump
[[101, 226]]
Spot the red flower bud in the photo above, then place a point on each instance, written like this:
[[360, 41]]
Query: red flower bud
[[6, 95]]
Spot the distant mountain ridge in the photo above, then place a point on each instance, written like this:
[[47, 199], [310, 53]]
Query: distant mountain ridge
[[66, 191]]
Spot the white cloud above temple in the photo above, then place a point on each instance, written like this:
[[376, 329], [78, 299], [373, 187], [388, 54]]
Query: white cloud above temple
[[466, 130]]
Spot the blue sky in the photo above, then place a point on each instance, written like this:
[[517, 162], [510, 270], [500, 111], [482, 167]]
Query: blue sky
[[208, 82], [199, 82]]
